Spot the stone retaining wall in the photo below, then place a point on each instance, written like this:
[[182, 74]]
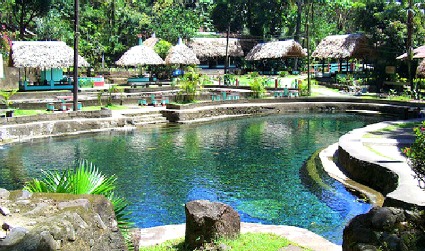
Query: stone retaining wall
[[187, 113], [56, 116], [367, 173]]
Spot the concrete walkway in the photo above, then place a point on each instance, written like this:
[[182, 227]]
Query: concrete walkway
[[383, 147], [300, 236]]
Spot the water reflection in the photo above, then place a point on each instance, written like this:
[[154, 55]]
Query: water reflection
[[253, 164]]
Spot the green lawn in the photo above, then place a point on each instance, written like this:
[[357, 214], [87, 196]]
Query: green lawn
[[248, 241]]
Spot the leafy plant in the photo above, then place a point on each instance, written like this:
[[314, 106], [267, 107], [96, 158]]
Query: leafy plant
[[229, 79], [112, 89], [6, 97], [85, 178], [254, 74], [283, 74], [162, 48], [188, 85], [257, 87], [416, 154]]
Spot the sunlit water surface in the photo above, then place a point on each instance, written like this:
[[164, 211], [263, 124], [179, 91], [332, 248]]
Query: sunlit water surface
[[253, 164]]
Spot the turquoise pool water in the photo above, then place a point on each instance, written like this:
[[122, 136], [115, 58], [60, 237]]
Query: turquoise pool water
[[253, 164]]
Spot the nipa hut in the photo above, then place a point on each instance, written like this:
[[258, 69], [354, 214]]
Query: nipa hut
[[276, 50], [140, 55], [180, 54], [47, 58], [417, 53], [207, 48], [151, 42], [44, 55], [344, 47]]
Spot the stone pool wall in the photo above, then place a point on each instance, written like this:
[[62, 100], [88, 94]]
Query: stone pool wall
[[202, 111], [17, 129]]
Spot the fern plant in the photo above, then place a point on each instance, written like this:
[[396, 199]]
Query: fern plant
[[85, 178]]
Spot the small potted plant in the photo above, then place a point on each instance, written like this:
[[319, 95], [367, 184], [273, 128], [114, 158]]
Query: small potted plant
[[7, 102]]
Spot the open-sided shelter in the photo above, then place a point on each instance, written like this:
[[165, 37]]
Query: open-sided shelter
[[139, 55], [344, 47], [276, 50], [180, 54], [47, 57], [212, 51]]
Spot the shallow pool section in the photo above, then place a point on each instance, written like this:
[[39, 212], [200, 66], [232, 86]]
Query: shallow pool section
[[253, 164]]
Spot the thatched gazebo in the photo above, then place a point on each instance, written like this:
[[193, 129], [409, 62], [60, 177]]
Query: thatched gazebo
[[151, 42], [276, 50], [46, 57], [417, 53], [344, 47], [207, 48], [139, 55], [180, 54]]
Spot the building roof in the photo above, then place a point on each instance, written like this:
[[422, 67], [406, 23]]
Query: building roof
[[181, 54], [344, 46], [205, 48], [139, 55], [276, 49], [44, 55]]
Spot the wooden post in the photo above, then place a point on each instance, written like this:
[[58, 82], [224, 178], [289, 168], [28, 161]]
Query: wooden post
[[75, 89]]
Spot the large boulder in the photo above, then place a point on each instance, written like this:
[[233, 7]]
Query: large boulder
[[206, 221], [385, 228], [47, 221]]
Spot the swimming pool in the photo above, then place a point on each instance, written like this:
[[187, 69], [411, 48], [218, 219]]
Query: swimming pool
[[254, 164]]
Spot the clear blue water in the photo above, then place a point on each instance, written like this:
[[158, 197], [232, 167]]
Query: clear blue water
[[253, 164]]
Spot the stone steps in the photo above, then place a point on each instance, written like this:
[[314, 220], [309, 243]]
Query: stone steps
[[148, 118]]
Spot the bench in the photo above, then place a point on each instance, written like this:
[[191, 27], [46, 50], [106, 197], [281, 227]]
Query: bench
[[155, 101], [142, 81]]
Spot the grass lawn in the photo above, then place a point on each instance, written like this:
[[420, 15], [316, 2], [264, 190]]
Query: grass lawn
[[98, 107], [19, 112], [248, 241]]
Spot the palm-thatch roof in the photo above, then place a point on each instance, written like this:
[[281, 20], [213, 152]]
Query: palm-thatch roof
[[205, 48], [420, 71], [344, 46], [44, 55], [150, 42], [181, 54], [140, 55], [417, 53], [276, 49]]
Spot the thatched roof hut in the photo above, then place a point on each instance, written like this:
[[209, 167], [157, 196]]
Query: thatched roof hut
[[150, 42], [44, 55], [344, 46], [417, 53], [276, 49], [181, 54], [140, 55], [420, 71], [206, 48]]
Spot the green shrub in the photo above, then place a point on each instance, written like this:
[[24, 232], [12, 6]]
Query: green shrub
[[189, 85], [283, 74], [6, 95], [257, 87], [416, 154], [254, 74], [84, 178]]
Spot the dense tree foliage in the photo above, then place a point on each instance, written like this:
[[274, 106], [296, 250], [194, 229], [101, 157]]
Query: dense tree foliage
[[108, 27]]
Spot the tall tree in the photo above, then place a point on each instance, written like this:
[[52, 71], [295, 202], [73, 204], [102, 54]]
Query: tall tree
[[25, 11]]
